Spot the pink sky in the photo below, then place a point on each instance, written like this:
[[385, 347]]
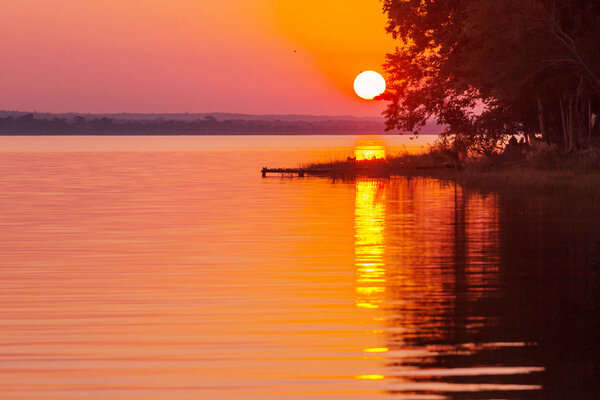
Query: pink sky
[[189, 55]]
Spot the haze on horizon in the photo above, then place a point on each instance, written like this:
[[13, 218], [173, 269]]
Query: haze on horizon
[[241, 56]]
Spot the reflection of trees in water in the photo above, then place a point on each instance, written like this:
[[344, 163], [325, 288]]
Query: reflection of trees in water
[[496, 286], [551, 288]]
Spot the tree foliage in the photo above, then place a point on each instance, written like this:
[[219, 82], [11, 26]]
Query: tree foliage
[[492, 68]]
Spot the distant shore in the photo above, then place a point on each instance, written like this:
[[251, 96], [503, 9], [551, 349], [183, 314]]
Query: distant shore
[[19, 123]]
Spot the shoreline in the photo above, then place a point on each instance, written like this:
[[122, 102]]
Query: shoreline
[[573, 173]]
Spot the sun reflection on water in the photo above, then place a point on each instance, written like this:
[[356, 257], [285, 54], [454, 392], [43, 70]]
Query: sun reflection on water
[[370, 243], [373, 149], [415, 303]]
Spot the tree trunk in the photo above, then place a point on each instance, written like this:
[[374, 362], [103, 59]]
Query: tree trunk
[[570, 124], [542, 121], [564, 118], [589, 122], [572, 128]]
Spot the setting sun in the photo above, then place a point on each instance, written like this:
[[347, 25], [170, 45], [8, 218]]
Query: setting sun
[[369, 84]]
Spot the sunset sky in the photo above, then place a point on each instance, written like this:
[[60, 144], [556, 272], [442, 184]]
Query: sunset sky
[[247, 56]]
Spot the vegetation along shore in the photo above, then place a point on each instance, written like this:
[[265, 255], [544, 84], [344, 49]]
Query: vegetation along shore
[[541, 168]]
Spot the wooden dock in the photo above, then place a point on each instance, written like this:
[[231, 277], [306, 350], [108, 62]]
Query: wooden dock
[[300, 172], [353, 169], [284, 171]]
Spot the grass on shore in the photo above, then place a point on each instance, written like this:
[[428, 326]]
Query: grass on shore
[[541, 173]]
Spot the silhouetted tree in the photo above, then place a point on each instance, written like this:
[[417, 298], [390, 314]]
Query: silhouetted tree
[[492, 68]]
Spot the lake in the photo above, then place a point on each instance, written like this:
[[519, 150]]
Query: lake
[[168, 268]]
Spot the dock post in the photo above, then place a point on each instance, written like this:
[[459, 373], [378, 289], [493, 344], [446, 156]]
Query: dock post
[[264, 172]]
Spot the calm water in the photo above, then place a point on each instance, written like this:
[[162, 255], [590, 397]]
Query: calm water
[[167, 268]]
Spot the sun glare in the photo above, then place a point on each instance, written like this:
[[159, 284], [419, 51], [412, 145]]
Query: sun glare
[[369, 84], [369, 150]]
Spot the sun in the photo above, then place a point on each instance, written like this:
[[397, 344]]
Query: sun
[[369, 84]]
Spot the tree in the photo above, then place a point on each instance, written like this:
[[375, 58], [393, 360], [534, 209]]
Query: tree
[[492, 68]]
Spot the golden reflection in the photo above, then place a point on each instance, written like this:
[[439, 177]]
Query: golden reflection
[[372, 377], [370, 243], [376, 350], [373, 149]]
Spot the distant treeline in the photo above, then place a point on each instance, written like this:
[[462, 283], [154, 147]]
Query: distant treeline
[[29, 124]]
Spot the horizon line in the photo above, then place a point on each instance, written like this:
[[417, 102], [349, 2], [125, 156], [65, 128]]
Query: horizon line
[[193, 113]]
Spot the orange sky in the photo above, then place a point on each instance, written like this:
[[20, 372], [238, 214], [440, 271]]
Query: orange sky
[[189, 55]]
